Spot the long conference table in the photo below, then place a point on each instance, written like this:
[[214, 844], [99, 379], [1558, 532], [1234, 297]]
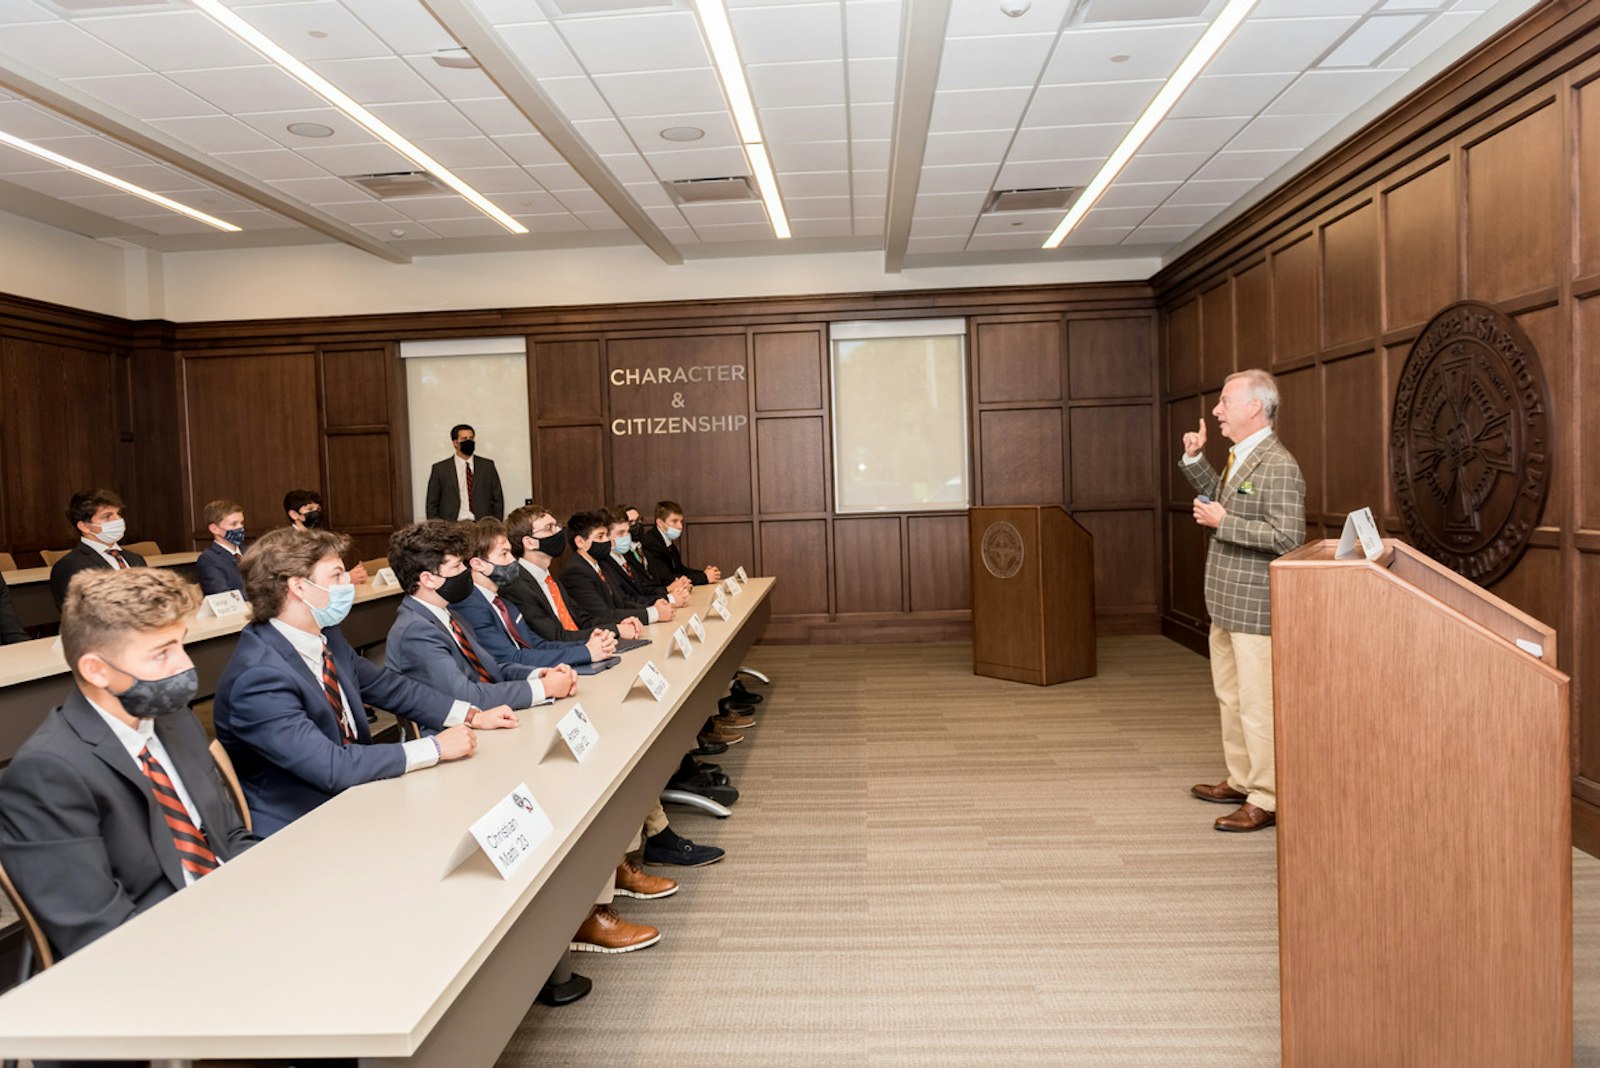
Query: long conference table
[[30, 587], [373, 927]]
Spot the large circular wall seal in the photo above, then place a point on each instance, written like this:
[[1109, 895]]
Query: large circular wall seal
[[1001, 549], [1470, 442]]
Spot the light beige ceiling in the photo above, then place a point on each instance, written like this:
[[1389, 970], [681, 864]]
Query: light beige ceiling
[[561, 124]]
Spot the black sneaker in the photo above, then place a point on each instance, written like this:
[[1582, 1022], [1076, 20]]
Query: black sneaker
[[669, 847], [739, 693]]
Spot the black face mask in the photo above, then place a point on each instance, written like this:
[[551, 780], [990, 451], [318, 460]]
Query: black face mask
[[311, 520], [553, 545], [598, 550], [466, 446], [456, 588], [636, 528], [153, 698]]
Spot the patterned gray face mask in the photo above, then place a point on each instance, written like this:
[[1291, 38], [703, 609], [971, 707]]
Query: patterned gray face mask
[[153, 698]]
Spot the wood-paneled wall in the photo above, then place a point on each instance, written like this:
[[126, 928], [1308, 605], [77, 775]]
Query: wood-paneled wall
[[1485, 185]]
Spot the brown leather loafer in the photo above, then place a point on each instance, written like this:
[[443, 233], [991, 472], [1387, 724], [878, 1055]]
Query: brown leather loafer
[[1221, 794], [1247, 818], [634, 881], [716, 732], [735, 721], [606, 932]]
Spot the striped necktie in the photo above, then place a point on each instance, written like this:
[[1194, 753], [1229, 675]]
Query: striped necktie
[[116, 554], [466, 650], [330, 686], [469, 486], [511, 628], [193, 849]]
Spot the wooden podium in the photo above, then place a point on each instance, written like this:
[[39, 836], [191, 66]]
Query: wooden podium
[[1032, 595], [1424, 818]]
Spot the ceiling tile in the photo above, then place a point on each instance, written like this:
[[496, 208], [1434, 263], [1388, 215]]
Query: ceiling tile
[[94, 150], [871, 81], [388, 80], [1152, 51], [456, 152], [1160, 235], [1046, 174], [55, 182], [817, 207], [1262, 47], [167, 223], [529, 150], [811, 156], [1227, 165], [22, 119], [993, 62], [871, 226], [241, 90], [427, 118], [1137, 194], [815, 184], [63, 50], [919, 245], [636, 42], [805, 124], [1066, 105], [971, 178], [972, 19], [542, 51], [1103, 216], [582, 200], [664, 92], [725, 213], [1430, 39], [346, 160], [949, 205], [1193, 135], [872, 29], [409, 231], [718, 127], [1222, 191], [977, 109], [699, 163], [214, 133], [1089, 238], [407, 28], [1283, 131], [453, 83], [1146, 167], [1066, 142], [275, 125], [552, 224], [481, 226], [426, 209], [868, 182], [1282, 9], [788, 34], [530, 203], [628, 167], [1018, 222], [868, 207], [150, 96], [998, 242], [578, 98], [279, 163], [822, 227], [605, 135], [173, 40], [325, 190], [872, 121], [1229, 94], [363, 211], [1338, 92], [19, 11], [735, 232], [1184, 214], [650, 195], [950, 149], [786, 85], [869, 155], [317, 31], [494, 116], [556, 177], [601, 220]]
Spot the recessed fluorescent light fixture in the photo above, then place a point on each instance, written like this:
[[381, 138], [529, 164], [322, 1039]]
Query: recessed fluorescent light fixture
[[309, 78], [114, 182], [730, 71], [1210, 43]]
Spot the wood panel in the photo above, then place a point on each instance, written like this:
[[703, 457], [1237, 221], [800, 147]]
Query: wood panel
[[1586, 339], [1300, 429], [1216, 335], [788, 370], [729, 546], [1294, 308], [1252, 301], [941, 578], [1422, 245], [1183, 347], [1124, 544], [1586, 673], [1109, 358], [866, 565], [1513, 196], [1023, 460], [1546, 330], [355, 386], [1586, 102], [566, 379], [1350, 276], [1186, 568], [571, 472], [1358, 462], [795, 552], [358, 491], [1182, 417], [1018, 361], [1111, 458], [1536, 587], [792, 465]]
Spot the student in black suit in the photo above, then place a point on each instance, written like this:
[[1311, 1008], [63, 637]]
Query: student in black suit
[[536, 540], [625, 569], [589, 594], [499, 623], [114, 804], [304, 509], [11, 631], [464, 486], [96, 514], [666, 563], [218, 565]]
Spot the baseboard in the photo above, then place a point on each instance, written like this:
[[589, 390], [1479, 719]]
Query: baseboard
[[924, 627], [1586, 827], [1187, 635]]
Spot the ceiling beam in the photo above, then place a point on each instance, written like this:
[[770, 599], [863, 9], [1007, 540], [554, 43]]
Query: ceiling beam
[[921, 48], [486, 46], [86, 111]]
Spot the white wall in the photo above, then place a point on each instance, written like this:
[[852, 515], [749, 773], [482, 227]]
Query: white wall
[[45, 263]]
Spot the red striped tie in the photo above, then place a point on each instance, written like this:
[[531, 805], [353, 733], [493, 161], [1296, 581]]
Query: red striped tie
[[466, 650], [116, 554], [330, 686], [511, 628], [190, 840], [469, 486], [626, 570]]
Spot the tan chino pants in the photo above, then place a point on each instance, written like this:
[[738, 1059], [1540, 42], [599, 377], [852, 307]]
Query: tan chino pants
[[1241, 674]]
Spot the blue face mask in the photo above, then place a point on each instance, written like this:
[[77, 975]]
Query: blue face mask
[[235, 537], [622, 544], [340, 598], [671, 533]]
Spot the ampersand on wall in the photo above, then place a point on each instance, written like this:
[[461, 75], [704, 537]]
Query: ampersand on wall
[[677, 400]]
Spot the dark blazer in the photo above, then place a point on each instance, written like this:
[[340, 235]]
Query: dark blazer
[[479, 615], [82, 558], [444, 494], [10, 630], [592, 601], [664, 560], [536, 611], [81, 833], [633, 584], [219, 571], [423, 650], [278, 725]]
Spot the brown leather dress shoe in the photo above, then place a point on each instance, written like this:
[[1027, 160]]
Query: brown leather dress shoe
[[716, 732], [634, 881], [1222, 793], [606, 932], [1248, 818], [735, 721]]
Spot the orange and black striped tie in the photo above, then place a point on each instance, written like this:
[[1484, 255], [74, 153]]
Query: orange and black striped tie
[[466, 650], [193, 850], [116, 554], [330, 686]]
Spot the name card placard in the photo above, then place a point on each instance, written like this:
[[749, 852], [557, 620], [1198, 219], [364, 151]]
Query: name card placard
[[739, 574], [653, 680], [225, 604], [734, 587], [512, 830], [681, 640], [720, 607], [1360, 528], [385, 577], [696, 627], [578, 731]]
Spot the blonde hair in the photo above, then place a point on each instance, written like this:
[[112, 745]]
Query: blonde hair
[[217, 511], [104, 608]]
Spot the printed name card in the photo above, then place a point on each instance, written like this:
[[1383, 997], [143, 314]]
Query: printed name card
[[734, 588], [225, 604], [385, 577], [720, 607], [741, 576], [512, 829], [680, 638], [578, 731], [1359, 527], [723, 587], [696, 627], [653, 680]]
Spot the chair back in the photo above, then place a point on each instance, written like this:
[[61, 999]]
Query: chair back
[[224, 763], [52, 555], [37, 942], [144, 548], [7, 562]]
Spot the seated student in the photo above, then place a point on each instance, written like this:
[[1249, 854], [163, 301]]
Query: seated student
[[431, 645], [96, 514], [304, 508], [218, 565], [662, 556], [289, 702], [114, 804], [499, 625], [536, 540], [627, 573], [590, 596], [11, 631], [633, 555]]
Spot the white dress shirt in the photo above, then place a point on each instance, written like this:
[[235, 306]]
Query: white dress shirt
[[420, 752], [535, 686], [1240, 452], [105, 552], [135, 741], [461, 484]]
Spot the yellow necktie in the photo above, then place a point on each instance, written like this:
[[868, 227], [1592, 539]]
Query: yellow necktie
[[1227, 469]]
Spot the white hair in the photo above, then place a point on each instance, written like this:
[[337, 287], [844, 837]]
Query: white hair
[[1263, 387]]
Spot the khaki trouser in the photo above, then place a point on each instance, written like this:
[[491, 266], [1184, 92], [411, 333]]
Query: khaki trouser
[[1241, 674], [655, 821]]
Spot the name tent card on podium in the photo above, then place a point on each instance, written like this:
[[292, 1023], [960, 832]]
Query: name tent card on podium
[[696, 627], [681, 640], [578, 731], [223, 605], [1360, 528], [720, 607], [740, 575], [653, 680], [512, 829]]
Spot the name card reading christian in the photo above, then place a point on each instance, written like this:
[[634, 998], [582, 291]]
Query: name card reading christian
[[386, 577], [740, 575], [681, 640], [512, 829], [653, 680], [578, 731], [720, 607], [225, 604], [696, 627]]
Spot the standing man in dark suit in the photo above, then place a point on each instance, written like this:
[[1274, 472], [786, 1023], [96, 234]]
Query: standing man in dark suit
[[1256, 512], [218, 565], [662, 555], [464, 486], [96, 514], [114, 804]]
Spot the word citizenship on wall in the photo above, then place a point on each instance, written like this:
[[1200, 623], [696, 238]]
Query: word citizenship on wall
[[680, 400]]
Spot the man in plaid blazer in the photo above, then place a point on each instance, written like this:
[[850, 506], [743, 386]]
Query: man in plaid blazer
[[1256, 510]]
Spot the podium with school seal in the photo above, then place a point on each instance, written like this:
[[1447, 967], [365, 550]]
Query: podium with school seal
[[1032, 595]]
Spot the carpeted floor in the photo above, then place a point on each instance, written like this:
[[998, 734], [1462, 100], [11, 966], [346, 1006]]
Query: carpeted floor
[[930, 868]]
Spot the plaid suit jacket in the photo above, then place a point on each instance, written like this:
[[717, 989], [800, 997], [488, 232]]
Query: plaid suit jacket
[[1265, 501]]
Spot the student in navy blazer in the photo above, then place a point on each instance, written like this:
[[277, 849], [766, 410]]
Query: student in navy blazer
[[429, 644], [218, 565], [296, 736], [496, 620]]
